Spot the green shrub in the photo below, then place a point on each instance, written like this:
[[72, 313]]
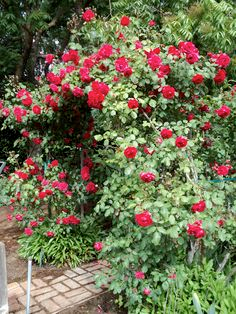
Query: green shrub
[[69, 245]]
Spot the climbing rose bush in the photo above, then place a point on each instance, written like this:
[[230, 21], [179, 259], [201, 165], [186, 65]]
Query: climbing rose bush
[[157, 122]]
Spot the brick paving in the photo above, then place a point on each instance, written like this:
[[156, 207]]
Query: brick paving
[[50, 295]]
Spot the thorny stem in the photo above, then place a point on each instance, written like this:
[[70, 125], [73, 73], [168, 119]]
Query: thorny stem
[[152, 125]]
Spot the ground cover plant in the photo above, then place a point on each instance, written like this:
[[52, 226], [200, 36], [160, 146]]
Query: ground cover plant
[[145, 133]]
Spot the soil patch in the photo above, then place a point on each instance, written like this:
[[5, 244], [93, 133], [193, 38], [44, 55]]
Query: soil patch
[[103, 304], [16, 266]]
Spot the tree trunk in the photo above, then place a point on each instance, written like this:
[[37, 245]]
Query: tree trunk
[[27, 42]]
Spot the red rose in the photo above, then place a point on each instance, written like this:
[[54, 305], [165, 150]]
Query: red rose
[[100, 87], [88, 162], [65, 87], [105, 51], [147, 176], [98, 246], [133, 104], [196, 230], [5, 112], [220, 222], [154, 62], [37, 140], [130, 152], [85, 173], [50, 234], [27, 101], [191, 58], [223, 60], [95, 99], [22, 175], [88, 15], [19, 217], [197, 79], [91, 187], [165, 133], [49, 58], [190, 116], [206, 126], [29, 162], [168, 92], [223, 112], [181, 142], [199, 207], [34, 224], [121, 64], [77, 92], [54, 163], [223, 170], [125, 21], [144, 219], [42, 195], [62, 186], [220, 76], [36, 109], [139, 275], [152, 23], [61, 175], [164, 70], [28, 231], [146, 291]]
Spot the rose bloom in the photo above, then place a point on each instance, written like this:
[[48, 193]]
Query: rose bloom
[[77, 92], [61, 175], [88, 15], [220, 222], [34, 224], [91, 187], [152, 23], [54, 163], [146, 291], [147, 176], [206, 126], [165, 133], [223, 112], [28, 231], [37, 140], [144, 219], [49, 58], [130, 152], [220, 76], [19, 217], [85, 173], [65, 87], [199, 206], [196, 230], [98, 246], [190, 116], [29, 162], [36, 109], [223, 170], [133, 104], [50, 234], [223, 60], [197, 79], [168, 92], [181, 142], [139, 275], [124, 21]]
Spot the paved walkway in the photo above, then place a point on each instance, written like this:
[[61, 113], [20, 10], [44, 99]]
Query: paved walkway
[[55, 294]]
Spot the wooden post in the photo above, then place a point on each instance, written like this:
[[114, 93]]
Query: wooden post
[[3, 281]]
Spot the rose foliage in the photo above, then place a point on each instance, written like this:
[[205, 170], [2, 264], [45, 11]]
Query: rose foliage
[[152, 127]]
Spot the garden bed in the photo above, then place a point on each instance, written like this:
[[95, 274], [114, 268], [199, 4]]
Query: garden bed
[[16, 266]]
